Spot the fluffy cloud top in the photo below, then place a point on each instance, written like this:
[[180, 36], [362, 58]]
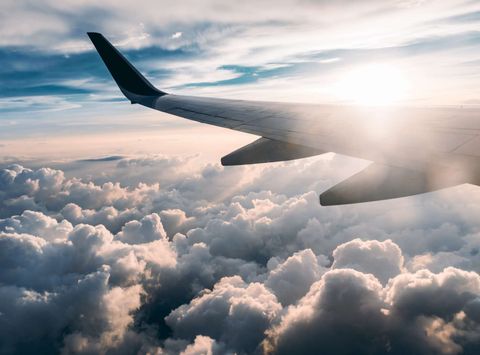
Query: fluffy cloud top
[[416, 313], [183, 267], [382, 259]]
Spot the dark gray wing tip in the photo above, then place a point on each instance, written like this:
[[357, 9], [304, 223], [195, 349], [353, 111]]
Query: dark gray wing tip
[[127, 77]]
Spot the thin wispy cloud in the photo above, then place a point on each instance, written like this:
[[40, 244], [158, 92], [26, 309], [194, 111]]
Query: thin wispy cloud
[[216, 37]]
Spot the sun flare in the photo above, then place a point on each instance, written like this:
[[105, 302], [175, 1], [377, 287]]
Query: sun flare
[[375, 84]]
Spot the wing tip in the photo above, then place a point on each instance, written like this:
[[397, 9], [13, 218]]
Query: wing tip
[[93, 35], [131, 82]]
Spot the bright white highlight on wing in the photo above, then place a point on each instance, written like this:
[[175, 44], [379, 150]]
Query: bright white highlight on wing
[[375, 84]]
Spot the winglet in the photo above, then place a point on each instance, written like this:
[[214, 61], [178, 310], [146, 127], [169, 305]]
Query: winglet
[[128, 79]]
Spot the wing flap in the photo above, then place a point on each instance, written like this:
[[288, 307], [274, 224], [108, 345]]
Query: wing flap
[[381, 182], [265, 150]]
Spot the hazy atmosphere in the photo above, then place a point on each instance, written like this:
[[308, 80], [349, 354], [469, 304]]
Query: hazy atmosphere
[[121, 233]]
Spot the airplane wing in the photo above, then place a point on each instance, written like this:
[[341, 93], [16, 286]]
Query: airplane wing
[[413, 150]]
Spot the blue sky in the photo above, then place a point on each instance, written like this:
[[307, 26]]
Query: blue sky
[[55, 85]]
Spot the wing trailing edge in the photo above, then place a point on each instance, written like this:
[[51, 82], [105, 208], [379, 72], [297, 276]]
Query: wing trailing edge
[[265, 150]]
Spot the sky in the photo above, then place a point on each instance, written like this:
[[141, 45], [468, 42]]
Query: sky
[[120, 232], [54, 84]]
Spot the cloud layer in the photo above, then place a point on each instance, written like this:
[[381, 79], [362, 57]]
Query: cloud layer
[[191, 266]]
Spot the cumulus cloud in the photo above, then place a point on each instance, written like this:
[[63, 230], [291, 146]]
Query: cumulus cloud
[[233, 312], [36, 223], [341, 312], [415, 313], [292, 279], [382, 259], [174, 267], [148, 229], [96, 315]]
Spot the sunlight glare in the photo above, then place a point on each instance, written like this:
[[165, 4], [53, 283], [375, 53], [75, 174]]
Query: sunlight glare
[[375, 84]]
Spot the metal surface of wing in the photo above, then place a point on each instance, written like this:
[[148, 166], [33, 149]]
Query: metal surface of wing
[[380, 182], [265, 150], [412, 142]]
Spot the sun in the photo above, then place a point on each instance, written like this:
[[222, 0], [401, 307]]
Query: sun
[[375, 84]]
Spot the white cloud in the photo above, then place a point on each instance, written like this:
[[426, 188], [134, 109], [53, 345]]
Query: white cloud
[[281, 32], [292, 279], [382, 259], [414, 313], [185, 264], [233, 312], [148, 229]]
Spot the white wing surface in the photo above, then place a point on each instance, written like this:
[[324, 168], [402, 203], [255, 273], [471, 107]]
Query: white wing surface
[[414, 150]]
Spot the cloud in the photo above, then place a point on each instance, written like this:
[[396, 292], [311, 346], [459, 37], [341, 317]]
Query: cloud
[[95, 314], [148, 229], [177, 35], [341, 312], [233, 312], [416, 313], [292, 279], [185, 264], [36, 223], [382, 259], [192, 49]]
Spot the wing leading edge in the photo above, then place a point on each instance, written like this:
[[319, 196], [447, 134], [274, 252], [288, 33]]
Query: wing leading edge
[[291, 131]]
